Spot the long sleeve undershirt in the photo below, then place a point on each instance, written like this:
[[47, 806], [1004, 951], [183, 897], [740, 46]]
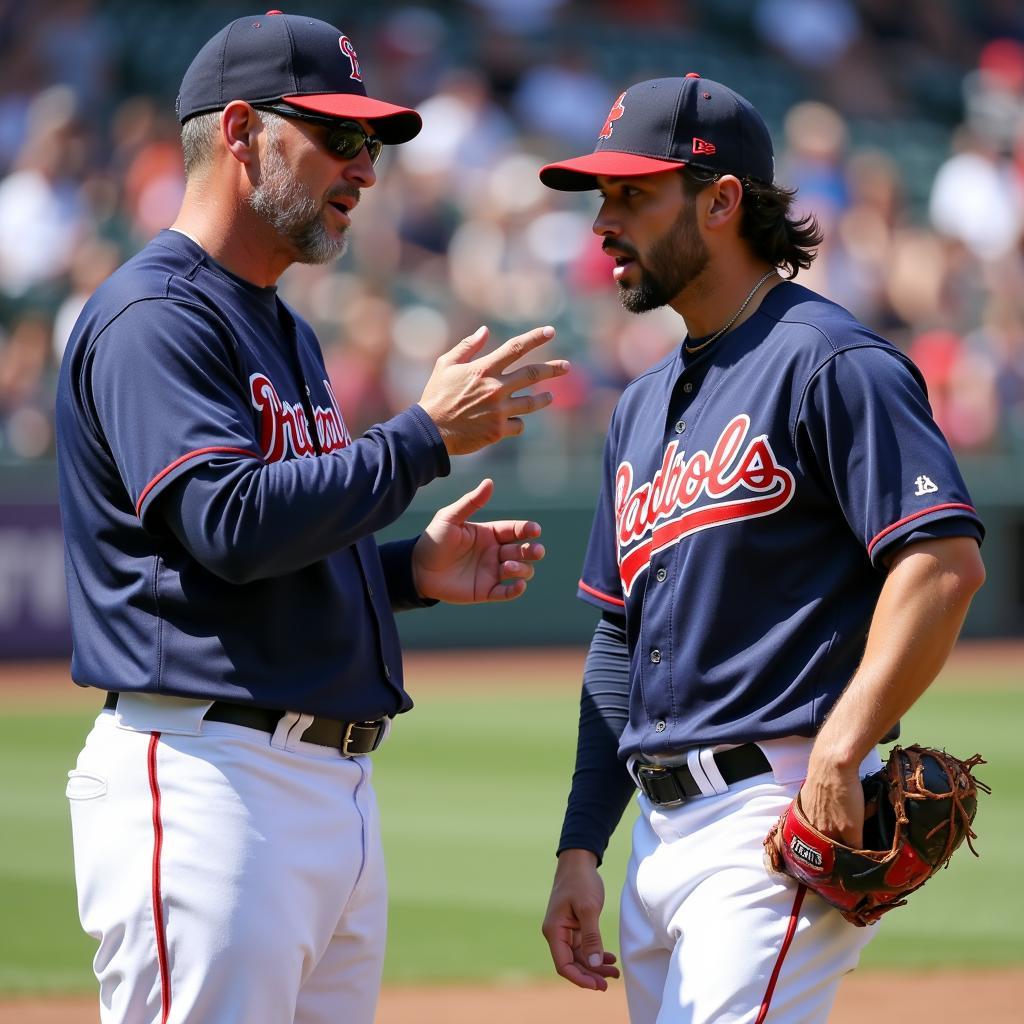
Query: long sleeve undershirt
[[601, 785]]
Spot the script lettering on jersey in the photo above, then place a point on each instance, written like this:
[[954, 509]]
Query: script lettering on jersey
[[738, 480], [284, 428]]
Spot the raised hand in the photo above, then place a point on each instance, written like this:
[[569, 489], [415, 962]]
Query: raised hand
[[471, 398], [467, 563]]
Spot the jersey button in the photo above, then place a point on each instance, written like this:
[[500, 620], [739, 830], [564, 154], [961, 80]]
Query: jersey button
[[387, 672], [680, 426], [688, 386], [661, 575], [659, 727], [656, 656]]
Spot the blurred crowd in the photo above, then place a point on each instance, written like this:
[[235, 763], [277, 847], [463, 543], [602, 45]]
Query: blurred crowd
[[902, 125]]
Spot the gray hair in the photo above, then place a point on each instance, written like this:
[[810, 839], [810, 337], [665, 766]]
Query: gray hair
[[199, 134]]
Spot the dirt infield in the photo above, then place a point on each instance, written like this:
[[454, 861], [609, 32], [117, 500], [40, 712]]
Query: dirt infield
[[980, 997]]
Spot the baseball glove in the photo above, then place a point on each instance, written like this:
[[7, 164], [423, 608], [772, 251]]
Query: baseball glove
[[918, 809]]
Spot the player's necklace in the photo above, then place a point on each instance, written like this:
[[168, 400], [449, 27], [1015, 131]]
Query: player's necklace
[[739, 312]]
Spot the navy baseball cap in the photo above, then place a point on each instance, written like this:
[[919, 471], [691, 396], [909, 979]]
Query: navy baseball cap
[[302, 61], [666, 123]]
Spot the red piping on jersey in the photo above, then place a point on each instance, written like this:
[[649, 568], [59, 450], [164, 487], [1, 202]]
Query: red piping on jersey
[[794, 916], [597, 593], [177, 462], [917, 515], [158, 916]]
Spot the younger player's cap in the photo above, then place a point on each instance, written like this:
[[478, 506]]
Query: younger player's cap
[[303, 61], [666, 123]]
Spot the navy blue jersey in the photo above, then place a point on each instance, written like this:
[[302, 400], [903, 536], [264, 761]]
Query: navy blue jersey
[[218, 517], [752, 496]]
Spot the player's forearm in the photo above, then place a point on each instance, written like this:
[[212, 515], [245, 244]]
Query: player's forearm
[[245, 520], [916, 622], [601, 786]]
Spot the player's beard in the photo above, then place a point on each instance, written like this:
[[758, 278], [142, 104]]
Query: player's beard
[[289, 207], [672, 262]]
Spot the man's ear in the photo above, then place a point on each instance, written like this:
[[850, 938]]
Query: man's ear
[[726, 198], [239, 127]]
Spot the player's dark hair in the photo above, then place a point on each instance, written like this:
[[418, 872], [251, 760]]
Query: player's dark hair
[[774, 235]]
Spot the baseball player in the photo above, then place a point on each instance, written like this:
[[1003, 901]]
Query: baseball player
[[224, 583], [783, 553]]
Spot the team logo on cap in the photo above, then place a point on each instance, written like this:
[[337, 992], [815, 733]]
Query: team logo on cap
[[350, 51], [703, 148], [613, 115]]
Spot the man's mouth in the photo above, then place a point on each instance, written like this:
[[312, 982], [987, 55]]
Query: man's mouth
[[342, 207], [622, 266]]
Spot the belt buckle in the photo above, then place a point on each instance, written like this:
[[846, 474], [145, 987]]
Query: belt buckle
[[660, 785], [346, 737]]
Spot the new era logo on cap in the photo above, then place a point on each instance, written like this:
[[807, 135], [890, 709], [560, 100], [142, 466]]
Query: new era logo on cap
[[664, 123], [303, 61]]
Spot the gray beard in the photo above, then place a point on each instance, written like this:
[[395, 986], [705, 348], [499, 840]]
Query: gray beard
[[287, 206]]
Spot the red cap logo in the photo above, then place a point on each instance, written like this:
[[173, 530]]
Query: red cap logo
[[702, 148], [613, 115], [350, 51]]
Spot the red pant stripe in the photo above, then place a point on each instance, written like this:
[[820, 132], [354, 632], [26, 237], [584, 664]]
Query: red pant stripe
[[794, 916], [158, 917]]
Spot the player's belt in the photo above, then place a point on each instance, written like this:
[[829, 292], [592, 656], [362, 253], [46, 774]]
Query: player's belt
[[351, 738], [671, 785]]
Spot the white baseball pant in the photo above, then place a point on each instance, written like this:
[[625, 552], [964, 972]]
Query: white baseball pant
[[707, 934], [227, 874]]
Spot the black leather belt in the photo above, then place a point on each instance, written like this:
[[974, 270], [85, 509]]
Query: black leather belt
[[350, 738], [668, 786]]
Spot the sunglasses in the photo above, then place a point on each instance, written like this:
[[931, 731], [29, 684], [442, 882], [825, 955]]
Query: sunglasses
[[344, 138]]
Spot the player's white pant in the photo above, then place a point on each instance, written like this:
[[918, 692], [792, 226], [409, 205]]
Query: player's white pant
[[707, 935], [229, 876]]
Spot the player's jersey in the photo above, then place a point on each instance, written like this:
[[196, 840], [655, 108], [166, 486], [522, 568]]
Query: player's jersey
[[218, 516], [751, 496]]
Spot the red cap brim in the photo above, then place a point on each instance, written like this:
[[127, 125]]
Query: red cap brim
[[392, 124], [579, 174]]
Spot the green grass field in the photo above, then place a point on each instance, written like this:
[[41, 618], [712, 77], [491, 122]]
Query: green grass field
[[472, 788]]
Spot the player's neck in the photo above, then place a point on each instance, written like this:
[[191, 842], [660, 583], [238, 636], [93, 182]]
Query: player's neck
[[714, 298], [235, 236]]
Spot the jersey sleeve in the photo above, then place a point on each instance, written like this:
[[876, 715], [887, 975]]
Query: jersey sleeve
[[167, 396], [171, 409], [866, 430], [600, 583]]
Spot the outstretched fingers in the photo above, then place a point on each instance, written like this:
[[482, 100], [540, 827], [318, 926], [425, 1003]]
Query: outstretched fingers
[[534, 373], [469, 504], [515, 348], [526, 551], [465, 350]]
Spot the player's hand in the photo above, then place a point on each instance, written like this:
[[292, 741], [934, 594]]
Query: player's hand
[[572, 922], [465, 563], [471, 397], [832, 800]]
